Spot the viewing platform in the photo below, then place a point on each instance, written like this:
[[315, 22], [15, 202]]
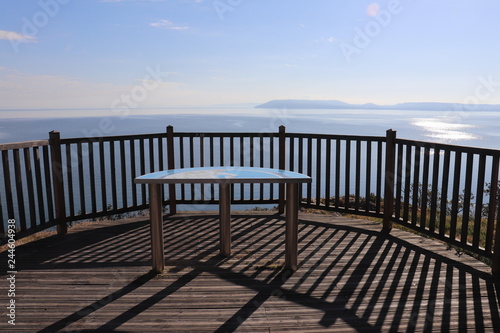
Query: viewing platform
[[344, 273], [351, 277]]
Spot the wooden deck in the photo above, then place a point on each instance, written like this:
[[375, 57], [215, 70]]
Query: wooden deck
[[350, 278]]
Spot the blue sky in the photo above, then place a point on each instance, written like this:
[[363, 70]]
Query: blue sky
[[139, 53]]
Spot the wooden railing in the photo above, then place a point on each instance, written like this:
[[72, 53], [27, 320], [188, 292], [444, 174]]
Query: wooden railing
[[450, 193], [444, 191]]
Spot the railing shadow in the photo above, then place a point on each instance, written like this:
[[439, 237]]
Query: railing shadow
[[354, 276]]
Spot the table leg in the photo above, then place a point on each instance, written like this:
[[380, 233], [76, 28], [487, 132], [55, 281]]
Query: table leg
[[291, 237], [225, 218], [156, 217]]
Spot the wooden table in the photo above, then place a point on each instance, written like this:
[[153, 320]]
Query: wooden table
[[224, 176]]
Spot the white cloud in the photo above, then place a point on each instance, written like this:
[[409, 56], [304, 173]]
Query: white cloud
[[330, 39], [16, 36], [161, 23], [178, 28], [167, 25]]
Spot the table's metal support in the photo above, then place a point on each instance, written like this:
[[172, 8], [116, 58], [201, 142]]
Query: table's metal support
[[225, 218], [156, 217], [292, 215]]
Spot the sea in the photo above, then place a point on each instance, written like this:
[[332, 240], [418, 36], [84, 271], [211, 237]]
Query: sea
[[468, 128]]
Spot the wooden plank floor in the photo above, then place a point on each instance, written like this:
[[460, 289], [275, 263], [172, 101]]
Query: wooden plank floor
[[350, 278]]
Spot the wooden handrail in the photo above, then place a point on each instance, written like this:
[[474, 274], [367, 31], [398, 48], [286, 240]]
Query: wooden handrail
[[22, 145]]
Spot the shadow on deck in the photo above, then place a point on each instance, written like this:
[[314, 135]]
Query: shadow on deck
[[351, 277]]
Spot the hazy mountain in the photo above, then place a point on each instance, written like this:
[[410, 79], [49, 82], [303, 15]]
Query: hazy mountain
[[334, 104]]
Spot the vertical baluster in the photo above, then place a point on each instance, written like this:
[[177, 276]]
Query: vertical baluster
[[271, 164], [368, 177], [399, 183], [232, 162], [133, 172], [242, 163], [39, 187], [434, 190], [81, 179], [444, 193], [455, 195], [261, 148], [416, 185], [282, 166], [48, 180], [347, 171], [477, 241], [222, 161], [357, 181], [467, 198], [252, 164], [161, 155], [123, 170], [69, 176], [408, 164], [301, 164], [337, 172], [142, 159], [202, 163], [379, 178], [102, 162], [31, 188], [172, 197], [328, 171], [182, 165], [222, 157], [318, 171], [19, 189], [152, 159], [92, 177], [309, 169], [492, 204], [425, 187], [212, 163], [8, 184], [495, 258], [191, 164], [112, 176]]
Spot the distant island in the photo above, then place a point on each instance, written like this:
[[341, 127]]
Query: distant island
[[334, 104]]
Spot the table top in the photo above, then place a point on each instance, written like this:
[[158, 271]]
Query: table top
[[222, 175]]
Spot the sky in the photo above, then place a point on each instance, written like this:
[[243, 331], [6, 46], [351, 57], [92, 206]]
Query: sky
[[180, 53]]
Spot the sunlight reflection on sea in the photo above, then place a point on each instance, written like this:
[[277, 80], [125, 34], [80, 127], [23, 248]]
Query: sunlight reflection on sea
[[444, 130]]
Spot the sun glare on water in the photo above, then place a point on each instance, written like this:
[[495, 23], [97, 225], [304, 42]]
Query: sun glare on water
[[443, 130]]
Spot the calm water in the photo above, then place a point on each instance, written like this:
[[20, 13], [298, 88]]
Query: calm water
[[474, 128]]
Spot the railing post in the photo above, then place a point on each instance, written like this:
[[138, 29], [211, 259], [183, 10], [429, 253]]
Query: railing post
[[495, 259], [57, 181], [281, 165], [390, 161], [171, 165]]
